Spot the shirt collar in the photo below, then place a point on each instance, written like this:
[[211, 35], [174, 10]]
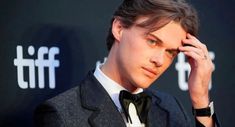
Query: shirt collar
[[112, 87]]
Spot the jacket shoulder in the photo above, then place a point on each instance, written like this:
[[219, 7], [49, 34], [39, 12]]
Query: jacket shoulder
[[67, 98], [62, 110]]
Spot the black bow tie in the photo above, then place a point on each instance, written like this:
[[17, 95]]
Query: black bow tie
[[142, 102]]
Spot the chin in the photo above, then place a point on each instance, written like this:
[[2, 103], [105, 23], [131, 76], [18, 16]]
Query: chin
[[143, 82], [144, 85]]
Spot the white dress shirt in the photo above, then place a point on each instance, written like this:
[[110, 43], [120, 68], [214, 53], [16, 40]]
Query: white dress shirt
[[113, 89]]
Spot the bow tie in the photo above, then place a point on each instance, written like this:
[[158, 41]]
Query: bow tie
[[142, 102]]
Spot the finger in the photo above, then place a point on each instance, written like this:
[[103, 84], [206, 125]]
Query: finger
[[204, 48], [191, 49], [193, 55], [192, 40], [190, 36], [196, 53]]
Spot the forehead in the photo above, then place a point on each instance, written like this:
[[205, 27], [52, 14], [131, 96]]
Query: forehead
[[151, 24], [171, 34]]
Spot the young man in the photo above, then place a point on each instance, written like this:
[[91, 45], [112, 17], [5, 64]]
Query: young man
[[144, 38]]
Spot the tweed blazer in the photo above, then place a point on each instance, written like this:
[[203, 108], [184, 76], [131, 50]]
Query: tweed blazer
[[89, 105]]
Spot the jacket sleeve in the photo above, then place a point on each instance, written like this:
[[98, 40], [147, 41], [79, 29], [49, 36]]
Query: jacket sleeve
[[197, 123]]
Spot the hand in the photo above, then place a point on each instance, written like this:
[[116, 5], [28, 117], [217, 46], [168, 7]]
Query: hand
[[201, 70], [200, 75]]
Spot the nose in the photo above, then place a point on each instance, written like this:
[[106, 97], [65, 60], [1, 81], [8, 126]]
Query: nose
[[158, 58]]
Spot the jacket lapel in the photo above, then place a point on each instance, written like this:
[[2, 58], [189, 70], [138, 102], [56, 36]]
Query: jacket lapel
[[104, 112], [158, 116], [95, 98]]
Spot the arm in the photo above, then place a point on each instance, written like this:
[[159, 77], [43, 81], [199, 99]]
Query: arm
[[200, 75]]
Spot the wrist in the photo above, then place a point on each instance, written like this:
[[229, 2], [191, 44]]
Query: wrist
[[206, 111], [200, 102]]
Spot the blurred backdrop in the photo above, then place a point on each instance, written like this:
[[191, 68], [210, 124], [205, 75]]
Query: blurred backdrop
[[48, 46]]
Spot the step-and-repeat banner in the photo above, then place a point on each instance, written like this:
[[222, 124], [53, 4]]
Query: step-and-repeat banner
[[47, 47]]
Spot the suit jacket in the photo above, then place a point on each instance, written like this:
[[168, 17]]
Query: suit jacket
[[89, 105]]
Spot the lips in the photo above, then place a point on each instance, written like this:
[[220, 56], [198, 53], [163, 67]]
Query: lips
[[150, 72]]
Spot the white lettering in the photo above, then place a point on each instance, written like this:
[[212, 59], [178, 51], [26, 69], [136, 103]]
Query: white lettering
[[41, 63]]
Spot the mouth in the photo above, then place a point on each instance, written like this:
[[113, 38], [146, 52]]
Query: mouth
[[150, 72]]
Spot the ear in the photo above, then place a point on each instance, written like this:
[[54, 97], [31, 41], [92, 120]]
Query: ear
[[117, 29]]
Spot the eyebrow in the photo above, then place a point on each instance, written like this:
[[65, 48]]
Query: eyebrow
[[160, 41], [174, 50], [155, 37]]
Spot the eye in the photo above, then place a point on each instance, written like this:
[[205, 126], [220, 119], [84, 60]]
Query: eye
[[152, 42], [172, 53]]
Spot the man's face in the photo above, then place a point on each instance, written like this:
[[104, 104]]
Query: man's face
[[142, 57]]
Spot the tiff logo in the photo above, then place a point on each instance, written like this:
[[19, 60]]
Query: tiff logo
[[184, 69], [40, 63]]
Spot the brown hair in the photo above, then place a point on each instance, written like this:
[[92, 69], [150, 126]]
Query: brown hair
[[158, 13]]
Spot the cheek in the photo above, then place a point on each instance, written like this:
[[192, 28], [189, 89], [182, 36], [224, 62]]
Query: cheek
[[131, 59], [167, 64], [132, 49]]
